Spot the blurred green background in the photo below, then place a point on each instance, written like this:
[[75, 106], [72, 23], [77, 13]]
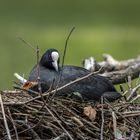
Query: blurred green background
[[101, 27]]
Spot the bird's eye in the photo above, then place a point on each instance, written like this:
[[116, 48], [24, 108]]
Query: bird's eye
[[49, 56]]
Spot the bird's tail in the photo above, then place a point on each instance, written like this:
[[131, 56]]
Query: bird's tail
[[112, 96]]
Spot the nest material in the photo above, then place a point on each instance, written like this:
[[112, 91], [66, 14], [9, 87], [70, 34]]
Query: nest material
[[60, 119]]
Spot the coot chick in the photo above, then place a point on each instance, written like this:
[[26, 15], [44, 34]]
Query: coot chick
[[91, 88]]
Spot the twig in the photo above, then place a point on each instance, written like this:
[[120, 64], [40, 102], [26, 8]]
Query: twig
[[102, 125], [65, 48], [28, 44], [114, 125], [16, 133], [132, 136], [134, 90], [63, 59], [130, 84], [128, 121], [4, 118], [38, 71], [77, 116], [138, 80], [118, 77], [33, 133], [59, 123], [62, 136], [134, 99], [116, 71]]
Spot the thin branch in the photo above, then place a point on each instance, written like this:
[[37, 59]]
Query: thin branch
[[63, 59], [66, 44], [59, 123], [16, 133], [118, 77], [62, 136], [114, 124], [38, 71], [102, 125], [28, 44], [116, 71], [4, 118]]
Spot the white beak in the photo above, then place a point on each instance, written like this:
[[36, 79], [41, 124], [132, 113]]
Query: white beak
[[55, 65]]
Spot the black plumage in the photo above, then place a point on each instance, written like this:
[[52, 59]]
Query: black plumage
[[91, 88]]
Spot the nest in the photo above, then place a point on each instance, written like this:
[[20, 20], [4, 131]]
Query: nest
[[57, 118]]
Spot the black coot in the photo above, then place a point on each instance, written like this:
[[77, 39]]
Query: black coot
[[91, 88]]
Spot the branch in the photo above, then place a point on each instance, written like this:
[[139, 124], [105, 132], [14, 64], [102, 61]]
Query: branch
[[118, 77], [4, 118], [116, 71], [62, 136], [102, 116]]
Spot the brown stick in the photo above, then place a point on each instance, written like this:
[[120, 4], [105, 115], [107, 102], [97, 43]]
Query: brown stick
[[102, 116], [4, 118], [118, 77], [114, 124], [59, 123], [16, 133], [116, 71]]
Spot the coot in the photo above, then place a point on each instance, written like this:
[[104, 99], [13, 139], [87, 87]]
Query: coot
[[91, 88]]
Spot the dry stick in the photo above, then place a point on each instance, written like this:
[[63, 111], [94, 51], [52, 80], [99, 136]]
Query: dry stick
[[66, 85], [38, 79], [130, 84], [16, 133], [63, 59], [5, 121], [59, 123], [102, 126], [28, 44], [46, 106], [114, 124], [131, 115], [134, 99], [129, 122], [66, 44], [134, 90], [118, 77], [82, 119], [37, 52], [23, 123], [38, 71], [27, 129], [132, 136], [138, 80], [62, 136], [85, 121], [33, 133]]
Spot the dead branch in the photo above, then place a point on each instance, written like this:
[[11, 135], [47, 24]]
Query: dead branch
[[118, 77], [62, 136], [116, 71], [16, 133], [114, 124], [102, 116], [4, 118]]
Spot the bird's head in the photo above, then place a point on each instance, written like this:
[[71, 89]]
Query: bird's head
[[50, 59]]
